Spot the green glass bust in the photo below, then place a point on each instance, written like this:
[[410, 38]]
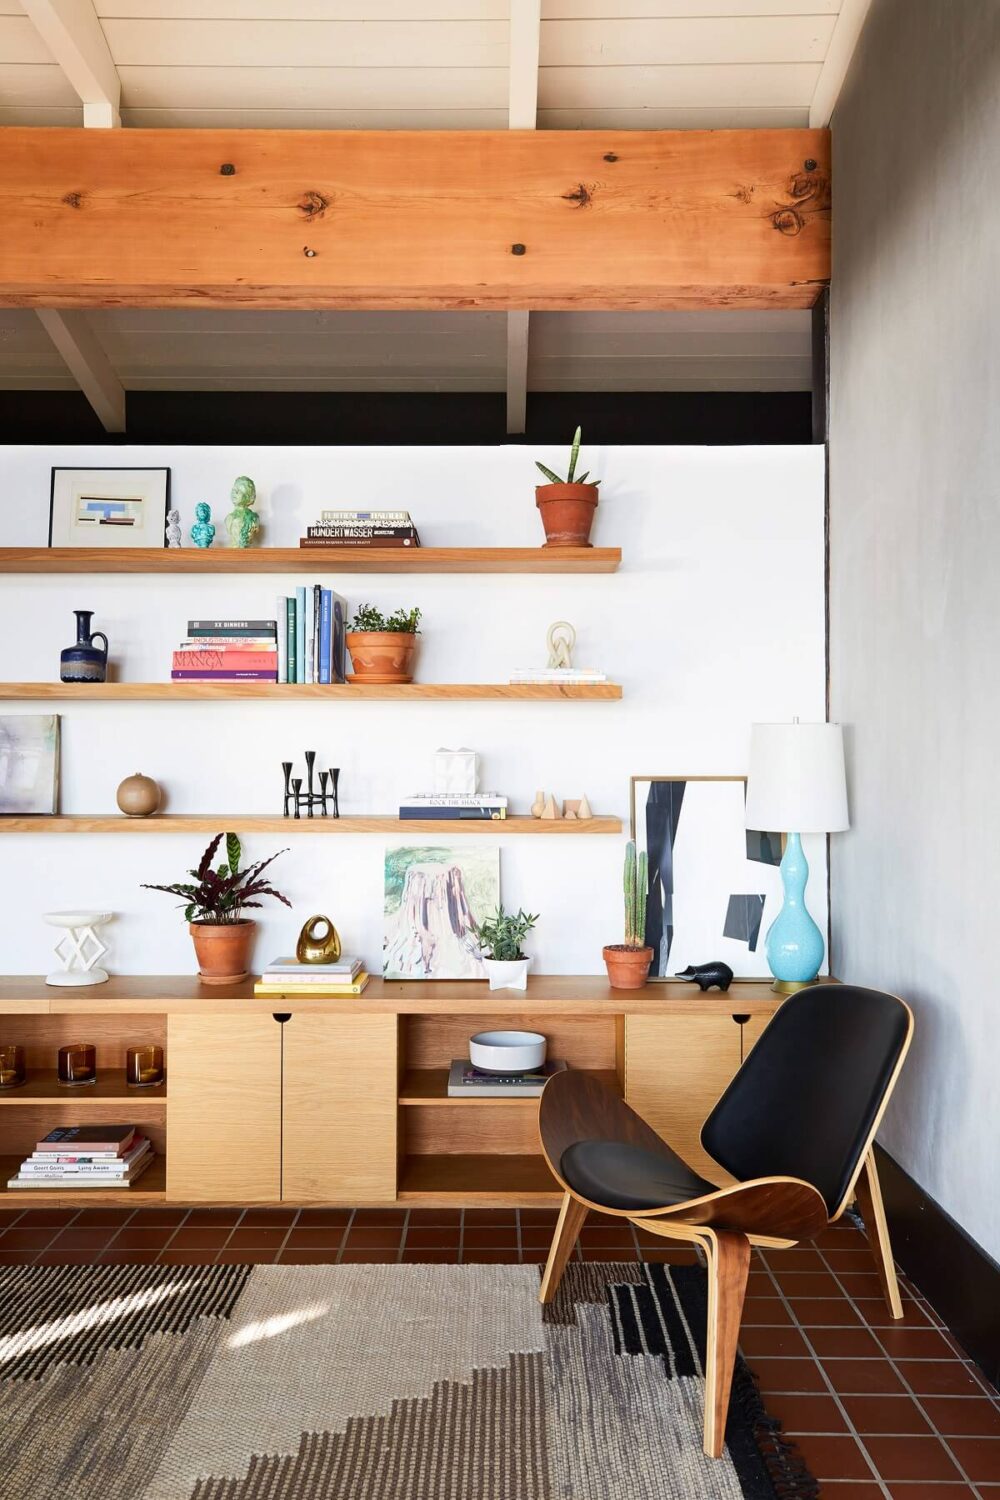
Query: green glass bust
[[242, 522]]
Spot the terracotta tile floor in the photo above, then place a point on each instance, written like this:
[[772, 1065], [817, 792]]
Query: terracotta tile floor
[[880, 1409]]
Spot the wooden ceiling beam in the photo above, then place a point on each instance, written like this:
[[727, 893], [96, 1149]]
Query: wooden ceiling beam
[[414, 219], [88, 364]]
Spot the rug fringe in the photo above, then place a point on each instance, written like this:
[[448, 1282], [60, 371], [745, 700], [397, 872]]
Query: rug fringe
[[786, 1467]]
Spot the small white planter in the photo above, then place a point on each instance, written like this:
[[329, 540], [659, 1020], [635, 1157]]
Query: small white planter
[[507, 974]]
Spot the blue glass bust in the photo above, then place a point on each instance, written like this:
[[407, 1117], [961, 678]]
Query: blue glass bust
[[202, 532]]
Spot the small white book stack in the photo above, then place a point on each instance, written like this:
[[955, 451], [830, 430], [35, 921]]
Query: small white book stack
[[86, 1156]]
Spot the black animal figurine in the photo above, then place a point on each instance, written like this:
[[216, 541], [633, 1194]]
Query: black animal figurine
[[707, 975]]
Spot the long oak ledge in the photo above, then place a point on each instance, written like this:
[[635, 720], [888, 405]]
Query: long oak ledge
[[264, 823], [539, 559], [207, 692], [546, 995]]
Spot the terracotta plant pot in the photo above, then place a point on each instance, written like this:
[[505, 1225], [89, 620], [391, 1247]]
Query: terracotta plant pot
[[628, 968], [223, 950], [381, 655], [567, 512]]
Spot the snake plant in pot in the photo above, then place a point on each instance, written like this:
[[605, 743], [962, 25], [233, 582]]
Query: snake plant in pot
[[567, 506], [214, 901], [628, 963], [500, 938]]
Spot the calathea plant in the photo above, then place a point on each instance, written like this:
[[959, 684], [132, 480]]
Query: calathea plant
[[501, 935], [219, 895]]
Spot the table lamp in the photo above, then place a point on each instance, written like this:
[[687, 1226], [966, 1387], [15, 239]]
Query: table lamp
[[796, 784]]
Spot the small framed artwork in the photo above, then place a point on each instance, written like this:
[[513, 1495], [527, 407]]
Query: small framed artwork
[[714, 885], [29, 763], [109, 507], [435, 898]]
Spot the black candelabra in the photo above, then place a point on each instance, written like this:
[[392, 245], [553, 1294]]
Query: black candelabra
[[325, 799]]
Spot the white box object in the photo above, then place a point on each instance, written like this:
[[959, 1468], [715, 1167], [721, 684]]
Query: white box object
[[456, 771]]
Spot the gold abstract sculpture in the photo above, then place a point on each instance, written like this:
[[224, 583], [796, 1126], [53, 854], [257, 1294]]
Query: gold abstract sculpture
[[312, 948]]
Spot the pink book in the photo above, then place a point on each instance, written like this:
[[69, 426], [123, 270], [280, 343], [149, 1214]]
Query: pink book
[[215, 661]]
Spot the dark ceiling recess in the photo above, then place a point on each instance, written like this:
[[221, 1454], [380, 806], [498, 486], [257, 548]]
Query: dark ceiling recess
[[389, 419]]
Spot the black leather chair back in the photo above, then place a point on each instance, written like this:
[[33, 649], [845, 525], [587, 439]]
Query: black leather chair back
[[804, 1102]]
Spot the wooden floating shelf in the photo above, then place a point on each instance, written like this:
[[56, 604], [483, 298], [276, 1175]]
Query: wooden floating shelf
[[429, 1087], [207, 692], [310, 560], [151, 1187], [264, 823], [110, 1088], [506, 1180]]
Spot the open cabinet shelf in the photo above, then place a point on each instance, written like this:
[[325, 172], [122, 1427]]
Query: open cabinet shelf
[[505, 1181], [42, 1085], [150, 1188]]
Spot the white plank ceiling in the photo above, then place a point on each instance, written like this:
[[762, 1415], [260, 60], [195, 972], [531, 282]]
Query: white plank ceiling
[[434, 64]]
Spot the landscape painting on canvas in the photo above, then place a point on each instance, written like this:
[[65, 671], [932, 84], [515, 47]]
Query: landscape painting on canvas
[[435, 896], [29, 763]]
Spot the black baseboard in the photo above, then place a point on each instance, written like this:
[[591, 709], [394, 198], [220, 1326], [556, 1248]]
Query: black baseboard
[[955, 1274], [390, 419]]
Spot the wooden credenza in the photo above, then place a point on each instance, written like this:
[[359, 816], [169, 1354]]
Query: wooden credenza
[[345, 1102]]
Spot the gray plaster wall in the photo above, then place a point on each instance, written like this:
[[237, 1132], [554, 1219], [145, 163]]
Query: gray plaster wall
[[915, 571]]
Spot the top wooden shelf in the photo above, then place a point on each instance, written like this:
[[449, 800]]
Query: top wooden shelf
[[310, 559]]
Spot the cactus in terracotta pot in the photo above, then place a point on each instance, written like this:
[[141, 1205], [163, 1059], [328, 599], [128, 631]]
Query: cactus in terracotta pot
[[628, 963], [567, 506]]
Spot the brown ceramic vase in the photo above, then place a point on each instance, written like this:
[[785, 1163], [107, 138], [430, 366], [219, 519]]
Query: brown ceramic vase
[[567, 512], [382, 655], [139, 796], [223, 950], [628, 968]]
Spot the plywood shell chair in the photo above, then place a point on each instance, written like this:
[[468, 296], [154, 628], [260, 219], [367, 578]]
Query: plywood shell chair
[[795, 1128]]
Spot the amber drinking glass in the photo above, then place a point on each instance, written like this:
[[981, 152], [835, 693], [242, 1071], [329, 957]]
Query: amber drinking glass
[[143, 1067], [12, 1073], [77, 1064]]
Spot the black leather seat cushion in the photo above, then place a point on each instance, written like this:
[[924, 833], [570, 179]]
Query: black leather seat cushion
[[617, 1175]]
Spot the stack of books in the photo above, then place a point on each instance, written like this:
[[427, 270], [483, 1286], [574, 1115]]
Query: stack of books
[[466, 1082], [312, 636], [86, 1156], [362, 528], [454, 806], [227, 651], [567, 675], [286, 976]]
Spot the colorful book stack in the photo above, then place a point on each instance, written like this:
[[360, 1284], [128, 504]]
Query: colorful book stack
[[312, 636], [455, 806], [362, 528], [467, 1082], [86, 1156], [286, 976], [227, 651]]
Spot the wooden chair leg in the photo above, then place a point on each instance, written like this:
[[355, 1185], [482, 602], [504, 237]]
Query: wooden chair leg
[[571, 1217], [869, 1193], [728, 1267]]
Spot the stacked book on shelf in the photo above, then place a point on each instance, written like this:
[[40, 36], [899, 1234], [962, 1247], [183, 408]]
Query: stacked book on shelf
[[362, 528], [287, 976], [455, 806], [467, 1082], [227, 651], [570, 676], [86, 1156], [312, 636]]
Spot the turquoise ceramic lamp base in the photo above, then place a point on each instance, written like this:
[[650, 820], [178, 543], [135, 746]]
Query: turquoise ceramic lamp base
[[794, 944]]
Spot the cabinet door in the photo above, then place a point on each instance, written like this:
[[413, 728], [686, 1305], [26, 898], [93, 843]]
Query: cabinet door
[[753, 1029], [223, 1109], [339, 1120], [676, 1068]]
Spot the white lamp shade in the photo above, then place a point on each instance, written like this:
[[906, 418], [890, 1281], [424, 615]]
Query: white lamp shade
[[796, 782]]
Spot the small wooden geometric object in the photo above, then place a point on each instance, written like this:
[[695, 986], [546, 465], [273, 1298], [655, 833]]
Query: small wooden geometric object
[[550, 810]]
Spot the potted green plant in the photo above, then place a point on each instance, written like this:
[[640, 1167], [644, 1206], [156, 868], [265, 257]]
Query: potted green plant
[[567, 506], [500, 938], [382, 649], [214, 902], [628, 963]]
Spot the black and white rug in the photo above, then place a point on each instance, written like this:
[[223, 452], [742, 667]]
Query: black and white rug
[[369, 1382]]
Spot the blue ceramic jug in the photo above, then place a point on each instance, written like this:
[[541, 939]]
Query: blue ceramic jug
[[84, 661]]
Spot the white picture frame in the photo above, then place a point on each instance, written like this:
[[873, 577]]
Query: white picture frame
[[112, 508]]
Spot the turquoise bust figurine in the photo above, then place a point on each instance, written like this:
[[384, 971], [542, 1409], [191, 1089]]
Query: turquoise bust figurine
[[202, 532], [242, 522]]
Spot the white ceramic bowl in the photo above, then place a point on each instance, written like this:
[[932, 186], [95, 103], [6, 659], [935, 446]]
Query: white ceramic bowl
[[507, 1051]]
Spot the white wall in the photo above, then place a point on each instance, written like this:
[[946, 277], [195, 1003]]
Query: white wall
[[715, 619], [915, 537]]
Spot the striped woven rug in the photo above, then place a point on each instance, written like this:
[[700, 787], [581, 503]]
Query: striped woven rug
[[356, 1381]]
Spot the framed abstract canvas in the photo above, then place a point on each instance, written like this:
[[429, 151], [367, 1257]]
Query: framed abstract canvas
[[29, 763], [435, 897], [109, 507], [714, 885]]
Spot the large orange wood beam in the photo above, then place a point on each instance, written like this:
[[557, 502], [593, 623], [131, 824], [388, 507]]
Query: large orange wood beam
[[414, 219]]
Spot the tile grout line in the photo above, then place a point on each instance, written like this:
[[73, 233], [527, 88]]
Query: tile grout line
[[461, 1236], [403, 1232], [292, 1224], [906, 1384], [852, 1430], [344, 1237]]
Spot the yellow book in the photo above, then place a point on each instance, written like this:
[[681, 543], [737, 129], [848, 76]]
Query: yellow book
[[318, 991]]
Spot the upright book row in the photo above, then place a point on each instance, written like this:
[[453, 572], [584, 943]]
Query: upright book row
[[312, 636]]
